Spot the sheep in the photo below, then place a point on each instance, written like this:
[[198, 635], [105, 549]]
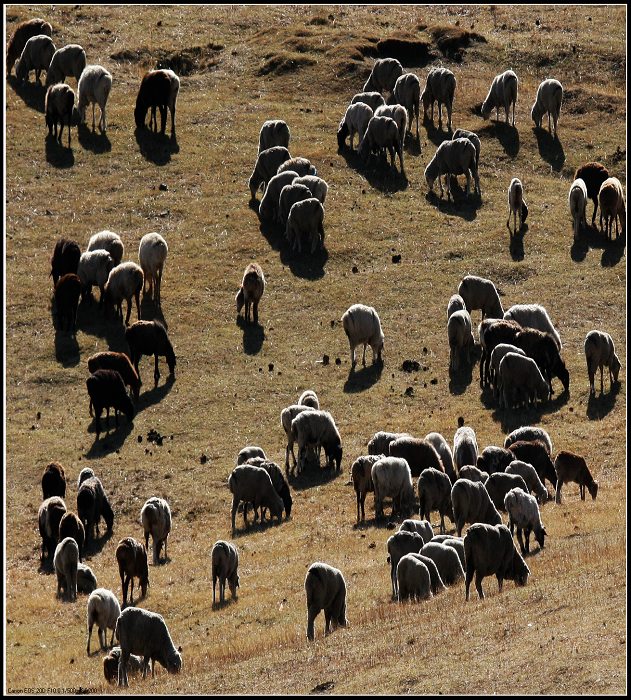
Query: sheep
[[535, 452], [472, 504], [577, 201], [382, 132], [419, 454], [317, 428], [103, 611], [593, 175], [361, 471], [600, 352], [435, 581], [224, 558], [86, 580], [94, 87], [248, 452], [529, 474], [611, 200], [274, 132], [253, 485], [516, 205], [472, 473], [475, 140], [460, 338], [413, 579], [502, 93], [287, 415], [447, 561], [317, 186], [384, 75], [549, 99], [92, 505], [456, 303], [69, 60], [362, 326], [465, 449], [65, 561], [499, 484], [158, 89], [150, 338], [457, 544], [279, 482], [497, 354], [53, 481], [401, 543], [379, 443], [494, 459], [251, 291], [440, 87], [354, 121], [65, 259], [107, 390], [58, 107], [67, 295], [453, 158], [268, 208], [22, 33], [145, 633], [398, 113], [325, 588], [543, 349], [520, 381], [121, 363], [124, 282], [36, 55], [70, 525], [289, 195], [94, 268], [523, 513], [152, 253], [49, 515], [422, 527], [155, 517], [373, 99], [407, 93], [528, 433], [305, 224], [109, 241], [481, 293], [444, 452], [533, 316], [391, 477], [434, 493], [302, 166], [309, 398], [492, 333], [131, 557], [84, 474], [572, 467], [490, 550], [111, 661]]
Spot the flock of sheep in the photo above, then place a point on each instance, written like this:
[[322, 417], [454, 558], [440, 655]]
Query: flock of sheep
[[521, 354]]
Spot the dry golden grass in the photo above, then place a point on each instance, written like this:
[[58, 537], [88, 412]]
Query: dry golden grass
[[565, 631]]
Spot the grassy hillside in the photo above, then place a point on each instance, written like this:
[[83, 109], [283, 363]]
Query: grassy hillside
[[562, 633]]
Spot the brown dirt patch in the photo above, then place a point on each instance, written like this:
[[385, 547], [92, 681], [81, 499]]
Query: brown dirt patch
[[284, 62], [194, 59], [452, 40]]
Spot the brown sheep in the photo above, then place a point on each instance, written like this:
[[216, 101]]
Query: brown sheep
[[361, 475], [121, 363], [611, 200], [23, 32], [251, 291], [131, 556], [593, 175], [419, 454], [49, 515], [572, 467], [71, 526], [54, 481], [65, 258], [67, 294]]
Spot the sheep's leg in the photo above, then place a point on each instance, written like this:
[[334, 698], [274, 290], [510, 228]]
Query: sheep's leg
[[440, 114], [468, 578], [557, 496], [521, 541], [89, 635], [125, 585], [256, 312], [235, 505], [312, 613], [163, 118], [602, 389], [364, 356], [156, 371], [581, 490], [353, 363], [158, 285], [478, 585]]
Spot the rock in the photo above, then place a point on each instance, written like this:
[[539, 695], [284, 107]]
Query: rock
[[409, 391], [163, 187], [410, 366], [203, 459], [355, 270], [396, 258], [325, 359], [270, 367]]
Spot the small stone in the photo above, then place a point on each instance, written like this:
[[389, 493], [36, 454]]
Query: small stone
[[433, 381], [538, 22], [571, 409], [396, 258], [363, 191], [425, 351], [270, 367], [409, 391], [140, 438], [325, 359], [203, 459], [39, 415], [333, 323], [159, 23], [163, 187], [49, 212], [338, 361], [355, 269], [372, 545]]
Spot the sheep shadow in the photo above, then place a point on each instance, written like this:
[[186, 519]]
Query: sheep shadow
[[435, 135], [460, 205], [512, 418], [253, 335], [550, 148], [460, 379], [313, 475], [153, 396], [253, 526], [613, 252], [46, 566], [94, 546], [598, 406], [516, 244], [150, 311], [506, 134], [58, 155], [590, 238], [412, 144], [273, 233], [361, 379], [32, 94], [67, 349], [112, 441], [227, 602], [386, 179], [306, 265], [156, 148], [93, 141], [92, 321]]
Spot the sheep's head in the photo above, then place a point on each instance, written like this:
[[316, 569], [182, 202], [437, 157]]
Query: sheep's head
[[593, 489], [540, 535], [20, 71], [140, 112], [615, 367], [426, 101], [486, 109], [537, 114], [240, 299]]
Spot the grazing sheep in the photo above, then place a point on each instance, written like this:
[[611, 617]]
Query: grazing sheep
[[279, 482], [472, 473], [70, 525], [49, 515], [69, 60], [36, 55], [407, 93], [453, 158], [593, 175], [444, 452], [224, 558], [58, 106], [103, 611], [289, 195], [107, 390], [494, 459], [94, 268], [460, 338], [152, 253], [53, 481], [155, 517], [529, 474], [86, 580], [516, 205], [317, 186], [150, 338], [529, 433], [94, 87], [67, 295], [421, 527], [413, 579], [457, 543], [131, 556], [419, 454], [65, 259], [577, 201], [465, 450], [391, 477], [274, 132], [305, 224], [435, 581], [362, 326], [520, 381], [109, 241], [251, 291], [494, 332], [543, 349], [611, 200], [135, 664], [121, 363], [361, 476], [475, 140], [549, 99], [440, 87], [373, 99], [158, 89], [22, 33], [490, 550], [384, 75], [145, 633], [499, 484], [326, 590], [302, 166], [447, 561], [572, 467], [287, 415], [480, 293], [535, 452], [92, 505], [502, 93], [309, 398], [248, 453], [382, 133], [253, 485], [472, 504], [267, 164], [523, 513], [434, 493], [316, 428], [65, 561], [379, 443], [401, 543], [268, 208], [124, 282], [600, 352], [84, 474], [533, 316], [496, 357], [456, 303], [354, 121]]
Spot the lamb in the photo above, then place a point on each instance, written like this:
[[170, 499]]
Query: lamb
[[121, 363], [399, 114], [49, 516], [533, 316], [110, 241], [440, 87], [529, 474], [444, 452], [372, 99], [248, 452], [274, 132], [251, 291], [309, 398], [69, 60], [103, 611], [490, 550], [253, 485], [361, 476], [523, 513], [502, 93], [155, 517], [435, 581], [572, 467], [494, 459], [22, 33], [382, 132], [421, 527], [379, 443], [456, 303], [65, 259], [107, 390], [391, 477], [224, 558], [67, 295], [150, 338], [496, 357], [419, 454], [593, 175], [58, 107], [453, 158], [287, 415], [152, 253], [94, 268], [354, 121], [145, 633], [158, 89], [92, 505], [516, 205], [289, 195], [53, 481], [268, 208], [492, 333], [131, 556], [401, 543], [529, 433], [520, 381], [413, 579], [535, 452], [94, 87], [86, 580], [465, 450], [543, 349], [475, 140], [317, 186], [434, 493], [305, 224], [480, 293], [317, 428], [549, 99], [600, 352], [302, 166], [460, 338], [472, 473], [407, 93], [577, 201], [447, 561], [111, 661], [124, 282], [267, 164], [70, 525], [36, 55], [611, 200], [384, 75], [65, 561], [326, 590], [362, 326], [472, 504], [499, 484]]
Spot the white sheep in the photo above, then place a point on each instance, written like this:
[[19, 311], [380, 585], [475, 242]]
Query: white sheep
[[529, 474], [600, 352], [401, 543], [268, 208], [252, 484], [447, 561], [382, 133], [287, 415], [399, 114], [391, 477], [274, 132], [355, 121], [379, 443], [289, 195], [224, 558], [611, 200], [69, 60], [316, 185], [456, 303], [65, 563], [481, 293], [155, 517], [465, 450], [473, 473], [103, 611], [384, 75], [529, 433], [325, 589], [362, 326], [453, 158], [251, 291], [444, 452], [94, 87], [94, 269], [413, 579], [473, 137], [460, 338], [516, 204], [436, 581], [519, 380], [502, 93], [372, 99], [85, 473], [440, 87], [266, 166], [361, 476], [300, 165], [523, 513], [497, 354], [533, 316], [36, 55], [421, 527], [407, 92], [250, 452], [124, 282], [110, 241], [577, 201], [471, 503], [317, 429], [309, 398], [152, 253], [549, 99], [305, 225]]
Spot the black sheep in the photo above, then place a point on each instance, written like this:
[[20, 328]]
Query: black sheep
[[54, 481], [71, 526], [593, 175], [150, 338], [107, 390], [58, 108], [65, 258], [92, 504], [542, 348], [536, 453], [67, 295], [159, 89]]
